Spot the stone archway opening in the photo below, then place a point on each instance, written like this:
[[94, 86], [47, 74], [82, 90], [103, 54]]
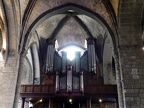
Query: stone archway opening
[[69, 26]]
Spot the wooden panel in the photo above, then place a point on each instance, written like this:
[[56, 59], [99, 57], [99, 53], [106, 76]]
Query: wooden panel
[[92, 80], [49, 80], [44, 89], [22, 89], [101, 89], [29, 88], [37, 89], [51, 89], [94, 84]]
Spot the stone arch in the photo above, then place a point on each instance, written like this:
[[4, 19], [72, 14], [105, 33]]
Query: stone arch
[[4, 31], [108, 74], [3, 38], [63, 8], [86, 12], [26, 70]]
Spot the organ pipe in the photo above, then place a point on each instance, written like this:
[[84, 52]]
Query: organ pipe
[[81, 83], [91, 55], [57, 62], [64, 61], [50, 55], [57, 82], [84, 62], [77, 62], [69, 78]]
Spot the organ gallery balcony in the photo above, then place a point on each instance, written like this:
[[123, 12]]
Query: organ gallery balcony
[[91, 89], [49, 90]]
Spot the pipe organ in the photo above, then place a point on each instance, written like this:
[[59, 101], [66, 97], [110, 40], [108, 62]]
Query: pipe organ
[[70, 79], [66, 69]]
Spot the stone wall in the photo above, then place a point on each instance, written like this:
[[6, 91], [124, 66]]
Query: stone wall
[[8, 79], [132, 63]]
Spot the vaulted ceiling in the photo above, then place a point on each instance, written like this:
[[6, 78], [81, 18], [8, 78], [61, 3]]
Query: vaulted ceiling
[[70, 29]]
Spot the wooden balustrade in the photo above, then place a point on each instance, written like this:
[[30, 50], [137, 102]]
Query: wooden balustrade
[[37, 89], [49, 90], [92, 87], [101, 89]]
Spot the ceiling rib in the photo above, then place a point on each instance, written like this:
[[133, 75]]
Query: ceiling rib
[[83, 26], [59, 26]]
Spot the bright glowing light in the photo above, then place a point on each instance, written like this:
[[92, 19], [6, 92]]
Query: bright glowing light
[[70, 100], [100, 100], [40, 100], [71, 51], [143, 48]]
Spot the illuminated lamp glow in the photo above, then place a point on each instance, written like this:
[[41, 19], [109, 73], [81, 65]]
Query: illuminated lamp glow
[[70, 100], [143, 48], [71, 51], [100, 100], [40, 100]]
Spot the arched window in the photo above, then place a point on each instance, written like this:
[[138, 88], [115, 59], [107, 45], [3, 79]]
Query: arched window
[[71, 50]]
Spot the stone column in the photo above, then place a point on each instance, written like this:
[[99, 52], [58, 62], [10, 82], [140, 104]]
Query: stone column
[[132, 68], [8, 79], [18, 79]]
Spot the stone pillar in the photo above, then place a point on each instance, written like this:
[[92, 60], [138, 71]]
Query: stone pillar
[[8, 79], [132, 68], [119, 80], [18, 79]]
